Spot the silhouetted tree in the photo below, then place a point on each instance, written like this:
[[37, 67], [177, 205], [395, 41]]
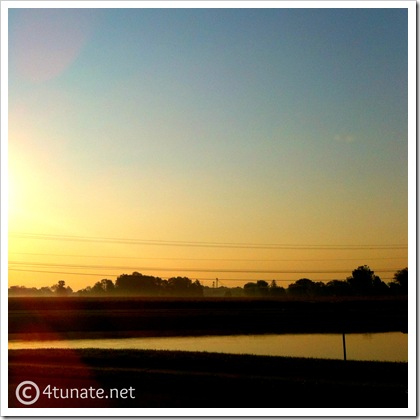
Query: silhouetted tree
[[183, 286], [304, 287], [45, 291], [338, 288], [104, 286], [60, 289], [198, 288], [137, 284], [275, 290], [260, 288], [379, 287], [250, 289], [29, 291], [85, 292], [22, 291], [400, 283], [364, 282]]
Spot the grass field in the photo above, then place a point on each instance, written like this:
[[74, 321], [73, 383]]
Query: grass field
[[184, 379]]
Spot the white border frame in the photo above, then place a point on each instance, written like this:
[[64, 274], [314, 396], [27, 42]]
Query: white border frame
[[412, 213]]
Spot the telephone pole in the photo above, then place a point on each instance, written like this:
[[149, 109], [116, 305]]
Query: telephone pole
[[344, 347]]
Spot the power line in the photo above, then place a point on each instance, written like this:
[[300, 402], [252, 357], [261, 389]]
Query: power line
[[196, 270], [199, 278], [201, 244], [203, 259], [62, 272]]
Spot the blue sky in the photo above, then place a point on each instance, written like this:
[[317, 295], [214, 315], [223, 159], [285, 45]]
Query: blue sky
[[224, 125]]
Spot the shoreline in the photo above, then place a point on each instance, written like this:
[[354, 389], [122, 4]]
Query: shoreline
[[100, 335]]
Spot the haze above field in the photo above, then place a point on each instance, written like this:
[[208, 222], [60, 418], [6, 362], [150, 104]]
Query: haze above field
[[237, 144]]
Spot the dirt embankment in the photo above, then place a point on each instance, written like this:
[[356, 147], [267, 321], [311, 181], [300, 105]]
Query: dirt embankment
[[39, 318]]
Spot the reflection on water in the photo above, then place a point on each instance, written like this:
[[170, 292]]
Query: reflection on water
[[376, 346]]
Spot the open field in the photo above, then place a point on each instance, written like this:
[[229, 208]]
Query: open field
[[184, 379], [76, 317]]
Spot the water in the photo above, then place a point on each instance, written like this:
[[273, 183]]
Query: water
[[376, 346]]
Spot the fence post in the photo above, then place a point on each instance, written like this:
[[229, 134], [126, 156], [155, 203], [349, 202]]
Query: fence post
[[344, 346]]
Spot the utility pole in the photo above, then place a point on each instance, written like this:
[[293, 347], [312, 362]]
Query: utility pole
[[217, 283], [344, 346]]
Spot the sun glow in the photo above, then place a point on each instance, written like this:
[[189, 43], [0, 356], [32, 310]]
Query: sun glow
[[25, 196], [15, 198]]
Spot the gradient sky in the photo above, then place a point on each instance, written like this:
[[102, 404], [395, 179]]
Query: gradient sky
[[206, 126]]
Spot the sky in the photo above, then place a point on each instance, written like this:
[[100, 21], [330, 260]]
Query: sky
[[239, 144]]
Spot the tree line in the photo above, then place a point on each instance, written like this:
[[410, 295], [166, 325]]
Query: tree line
[[362, 282]]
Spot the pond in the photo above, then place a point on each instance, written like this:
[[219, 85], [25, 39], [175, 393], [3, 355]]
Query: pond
[[391, 346]]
